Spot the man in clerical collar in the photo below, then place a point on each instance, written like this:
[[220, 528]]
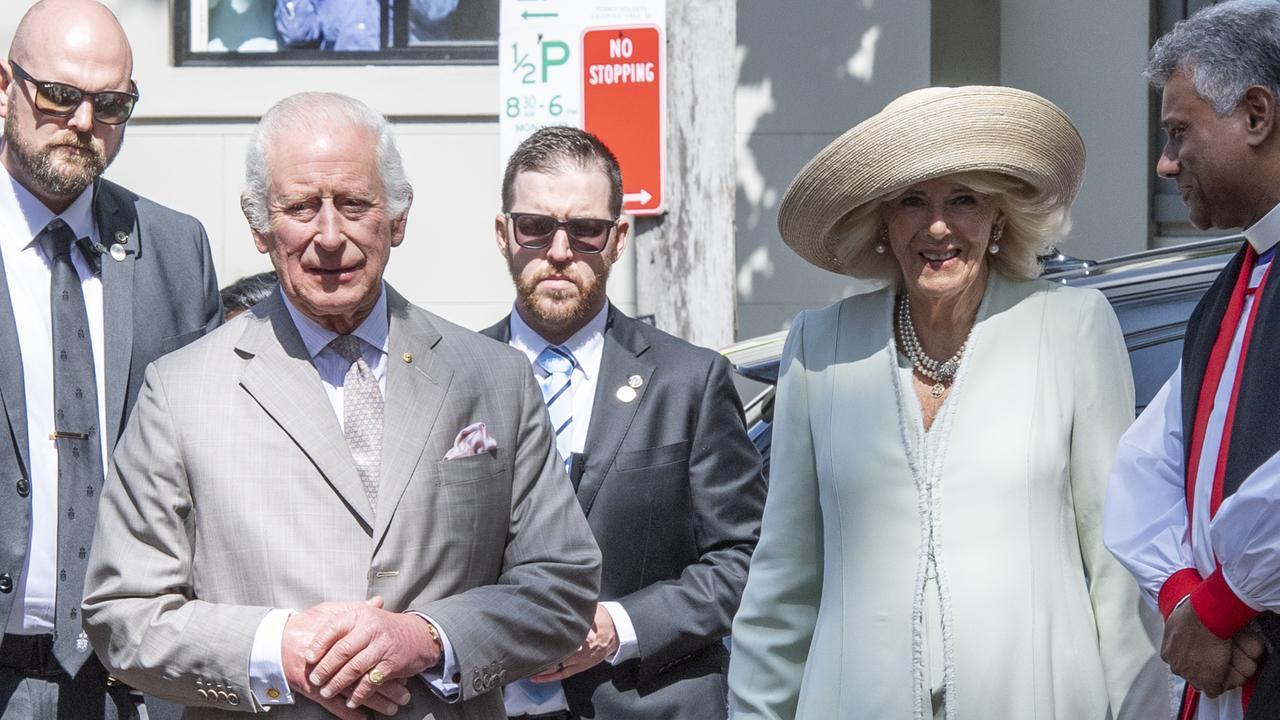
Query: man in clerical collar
[[1193, 509]]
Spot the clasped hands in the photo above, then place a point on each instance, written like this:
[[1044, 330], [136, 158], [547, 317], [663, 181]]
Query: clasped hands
[[601, 643], [329, 649], [1209, 663]]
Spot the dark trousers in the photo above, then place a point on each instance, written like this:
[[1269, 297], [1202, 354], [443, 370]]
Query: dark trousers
[[32, 687]]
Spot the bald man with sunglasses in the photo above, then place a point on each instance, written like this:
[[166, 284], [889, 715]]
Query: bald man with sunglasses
[[651, 431], [95, 283]]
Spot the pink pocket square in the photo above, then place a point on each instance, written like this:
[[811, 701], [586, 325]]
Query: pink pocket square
[[472, 440]]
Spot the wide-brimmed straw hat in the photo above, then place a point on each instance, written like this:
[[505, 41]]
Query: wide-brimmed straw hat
[[923, 135]]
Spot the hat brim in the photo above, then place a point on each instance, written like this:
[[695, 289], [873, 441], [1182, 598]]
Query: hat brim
[[923, 135]]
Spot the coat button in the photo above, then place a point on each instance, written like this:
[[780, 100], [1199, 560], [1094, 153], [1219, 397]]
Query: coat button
[[6, 583], [24, 488]]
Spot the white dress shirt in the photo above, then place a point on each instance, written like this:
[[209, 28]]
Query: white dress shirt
[[266, 668], [587, 348], [29, 272], [1145, 521]]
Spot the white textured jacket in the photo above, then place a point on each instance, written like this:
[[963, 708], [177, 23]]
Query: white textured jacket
[[958, 573]]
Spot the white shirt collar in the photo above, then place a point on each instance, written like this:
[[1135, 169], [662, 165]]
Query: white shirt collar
[[586, 345], [25, 216], [374, 330], [1264, 234]]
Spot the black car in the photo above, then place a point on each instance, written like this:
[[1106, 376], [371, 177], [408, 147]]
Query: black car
[[1153, 293]]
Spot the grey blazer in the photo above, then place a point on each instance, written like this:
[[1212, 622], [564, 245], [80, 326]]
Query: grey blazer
[[233, 492], [673, 491], [159, 297]]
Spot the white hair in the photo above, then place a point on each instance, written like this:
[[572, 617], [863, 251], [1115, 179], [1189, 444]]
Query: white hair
[[1224, 49], [301, 112]]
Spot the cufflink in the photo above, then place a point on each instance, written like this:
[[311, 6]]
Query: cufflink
[[273, 693]]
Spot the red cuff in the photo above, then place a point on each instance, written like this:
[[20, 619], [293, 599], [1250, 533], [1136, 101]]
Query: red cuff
[[1219, 608], [1178, 586]]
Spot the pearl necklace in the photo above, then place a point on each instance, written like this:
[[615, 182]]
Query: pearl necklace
[[943, 372]]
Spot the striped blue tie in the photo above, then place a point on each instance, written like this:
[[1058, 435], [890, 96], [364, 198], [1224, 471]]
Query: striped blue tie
[[557, 391]]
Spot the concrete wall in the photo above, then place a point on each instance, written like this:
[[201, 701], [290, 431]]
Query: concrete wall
[[808, 76], [1087, 56], [805, 78]]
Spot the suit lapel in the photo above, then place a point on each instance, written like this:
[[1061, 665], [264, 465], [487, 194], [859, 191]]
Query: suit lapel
[[417, 382], [282, 379], [117, 225], [623, 358], [12, 389]]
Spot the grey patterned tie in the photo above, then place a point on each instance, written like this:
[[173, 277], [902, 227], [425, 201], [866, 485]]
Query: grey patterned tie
[[75, 401], [361, 413]]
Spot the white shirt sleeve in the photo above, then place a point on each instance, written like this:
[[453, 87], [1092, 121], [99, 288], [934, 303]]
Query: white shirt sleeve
[[443, 682], [1145, 517], [628, 646], [266, 668], [1245, 535]]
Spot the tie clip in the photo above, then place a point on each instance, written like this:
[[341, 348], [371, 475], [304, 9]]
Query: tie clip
[[68, 435]]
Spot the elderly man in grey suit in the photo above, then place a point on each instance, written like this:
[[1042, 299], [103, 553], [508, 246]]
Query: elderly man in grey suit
[[337, 499], [652, 431], [95, 283]]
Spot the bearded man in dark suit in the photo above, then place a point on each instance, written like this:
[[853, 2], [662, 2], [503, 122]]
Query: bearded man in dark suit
[[651, 431]]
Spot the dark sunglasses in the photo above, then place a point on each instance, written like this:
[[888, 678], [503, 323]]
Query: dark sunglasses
[[61, 100], [586, 235]]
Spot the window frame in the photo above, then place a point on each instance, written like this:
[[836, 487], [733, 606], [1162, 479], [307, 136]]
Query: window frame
[[458, 52]]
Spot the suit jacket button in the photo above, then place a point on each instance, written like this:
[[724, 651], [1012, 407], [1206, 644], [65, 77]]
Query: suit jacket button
[[24, 487], [477, 684], [6, 583], [204, 694], [233, 698]]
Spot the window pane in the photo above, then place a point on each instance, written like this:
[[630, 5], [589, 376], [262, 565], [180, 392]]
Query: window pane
[[308, 31]]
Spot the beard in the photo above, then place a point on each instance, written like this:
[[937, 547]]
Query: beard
[[560, 308], [77, 169]]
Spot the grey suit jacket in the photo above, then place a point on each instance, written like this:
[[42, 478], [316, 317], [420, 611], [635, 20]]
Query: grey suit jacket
[[159, 297], [233, 492], [673, 491]]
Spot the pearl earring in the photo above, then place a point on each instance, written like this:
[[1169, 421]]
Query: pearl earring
[[997, 232], [883, 245]]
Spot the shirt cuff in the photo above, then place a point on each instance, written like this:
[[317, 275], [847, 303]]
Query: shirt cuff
[[1218, 606], [266, 668], [628, 646], [443, 680], [1178, 586]]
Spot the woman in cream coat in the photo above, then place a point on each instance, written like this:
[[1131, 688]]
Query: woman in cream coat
[[931, 542]]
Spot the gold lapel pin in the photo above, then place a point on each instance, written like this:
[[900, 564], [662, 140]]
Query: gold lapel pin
[[626, 394], [408, 357], [635, 381]]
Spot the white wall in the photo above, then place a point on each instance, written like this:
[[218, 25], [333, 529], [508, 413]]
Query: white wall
[[1087, 56], [807, 76]]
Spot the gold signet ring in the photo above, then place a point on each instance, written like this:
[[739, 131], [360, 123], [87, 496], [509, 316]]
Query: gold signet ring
[[376, 677]]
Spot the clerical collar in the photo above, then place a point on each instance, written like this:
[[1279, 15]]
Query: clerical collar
[[1264, 234]]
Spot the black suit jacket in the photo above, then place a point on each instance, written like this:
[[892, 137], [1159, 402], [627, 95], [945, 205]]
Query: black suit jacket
[[159, 296], [673, 490]]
